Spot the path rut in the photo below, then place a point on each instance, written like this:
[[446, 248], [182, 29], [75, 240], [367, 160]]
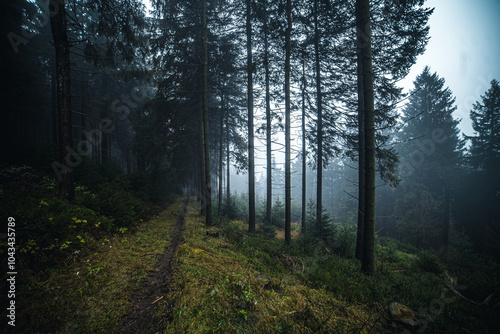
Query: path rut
[[141, 318]]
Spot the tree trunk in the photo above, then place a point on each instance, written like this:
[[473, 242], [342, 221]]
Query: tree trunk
[[221, 153], [269, 196], [228, 185], [66, 153], [364, 43], [105, 136], [251, 161], [208, 181], [288, 197], [361, 156], [446, 215], [54, 110], [221, 164], [304, 155], [319, 106], [202, 192]]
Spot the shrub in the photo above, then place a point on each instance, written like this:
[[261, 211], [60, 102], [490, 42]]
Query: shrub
[[344, 240], [429, 262], [235, 207], [460, 250], [388, 250], [113, 199], [278, 214]]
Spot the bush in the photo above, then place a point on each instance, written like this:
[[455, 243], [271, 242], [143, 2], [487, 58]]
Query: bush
[[388, 250], [113, 199], [278, 214], [267, 230], [235, 208], [460, 251], [344, 240], [429, 262]]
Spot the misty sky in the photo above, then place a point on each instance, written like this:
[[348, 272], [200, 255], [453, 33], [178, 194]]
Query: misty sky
[[464, 49]]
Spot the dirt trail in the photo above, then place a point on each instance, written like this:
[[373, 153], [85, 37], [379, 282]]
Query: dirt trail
[[141, 318]]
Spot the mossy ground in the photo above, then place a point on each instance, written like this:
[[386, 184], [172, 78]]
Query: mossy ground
[[217, 290], [90, 291]]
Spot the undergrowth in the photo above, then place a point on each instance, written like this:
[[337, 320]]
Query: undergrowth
[[90, 291], [238, 284], [83, 262], [310, 287], [49, 229]]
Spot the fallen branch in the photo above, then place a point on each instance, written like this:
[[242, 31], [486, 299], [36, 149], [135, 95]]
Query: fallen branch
[[241, 234], [157, 299], [485, 302]]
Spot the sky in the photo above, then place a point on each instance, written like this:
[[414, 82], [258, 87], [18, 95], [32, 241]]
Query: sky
[[464, 49]]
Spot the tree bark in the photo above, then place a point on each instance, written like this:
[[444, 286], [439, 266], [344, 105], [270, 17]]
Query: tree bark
[[202, 193], [288, 197], [319, 106], [251, 159], [228, 158], [304, 154], [221, 153], [364, 43], [446, 215], [361, 156], [269, 196], [59, 33], [208, 181]]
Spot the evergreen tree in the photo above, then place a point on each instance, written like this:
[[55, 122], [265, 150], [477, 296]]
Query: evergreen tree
[[266, 13], [251, 157], [363, 24], [400, 34], [485, 116], [478, 205], [288, 184], [58, 23], [433, 148]]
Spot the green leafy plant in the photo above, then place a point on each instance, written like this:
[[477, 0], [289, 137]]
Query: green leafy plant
[[95, 270]]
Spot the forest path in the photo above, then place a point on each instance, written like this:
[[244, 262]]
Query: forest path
[[142, 317]]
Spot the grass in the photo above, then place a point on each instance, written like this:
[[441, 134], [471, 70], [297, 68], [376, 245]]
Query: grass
[[309, 290], [218, 290], [241, 283], [92, 290]]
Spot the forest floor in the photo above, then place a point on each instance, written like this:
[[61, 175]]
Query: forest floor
[[174, 274], [107, 286], [142, 316]]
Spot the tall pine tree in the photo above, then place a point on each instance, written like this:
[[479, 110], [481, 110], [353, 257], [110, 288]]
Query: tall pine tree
[[433, 148], [485, 116]]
